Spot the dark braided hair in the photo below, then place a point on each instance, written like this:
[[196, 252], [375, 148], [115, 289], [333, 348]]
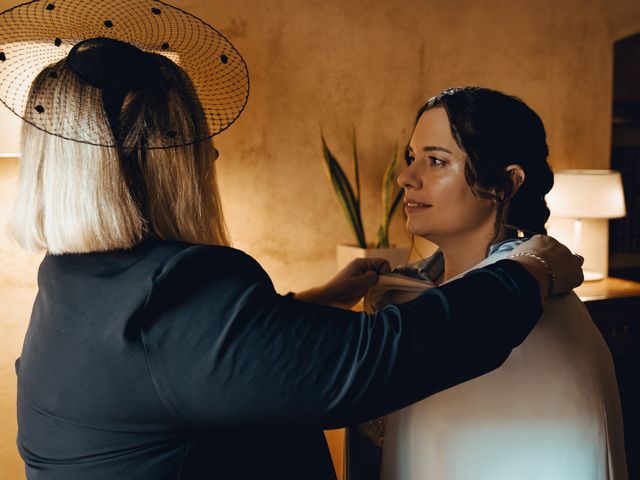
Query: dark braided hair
[[496, 130]]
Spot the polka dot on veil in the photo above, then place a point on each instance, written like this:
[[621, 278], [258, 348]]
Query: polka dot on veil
[[216, 69]]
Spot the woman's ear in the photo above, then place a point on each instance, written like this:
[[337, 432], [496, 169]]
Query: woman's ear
[[516, 175]]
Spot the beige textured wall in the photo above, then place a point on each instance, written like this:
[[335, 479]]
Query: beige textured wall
[[18, 270], [334, 64], [337, 64]]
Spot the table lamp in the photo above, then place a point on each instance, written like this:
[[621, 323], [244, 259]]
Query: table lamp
[[581, 203]]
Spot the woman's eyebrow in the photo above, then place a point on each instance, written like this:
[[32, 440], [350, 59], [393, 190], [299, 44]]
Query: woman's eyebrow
[[431, 148]]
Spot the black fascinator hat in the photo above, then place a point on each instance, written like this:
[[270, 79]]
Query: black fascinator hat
[[111, 45]]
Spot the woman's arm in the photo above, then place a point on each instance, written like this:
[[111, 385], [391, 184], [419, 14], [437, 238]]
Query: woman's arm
[[349, 285], [224, 349], [558, 272]]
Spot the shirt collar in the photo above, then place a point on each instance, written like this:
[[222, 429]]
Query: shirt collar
[[432, 268]]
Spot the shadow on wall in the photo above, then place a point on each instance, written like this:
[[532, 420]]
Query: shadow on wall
[[18, 275]]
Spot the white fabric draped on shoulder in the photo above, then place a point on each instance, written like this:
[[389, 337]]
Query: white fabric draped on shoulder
[[550, 412]]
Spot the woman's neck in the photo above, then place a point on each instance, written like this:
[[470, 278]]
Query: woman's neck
[[463, 252]]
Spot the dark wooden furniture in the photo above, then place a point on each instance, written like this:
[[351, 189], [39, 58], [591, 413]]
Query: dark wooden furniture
[[614, 305]]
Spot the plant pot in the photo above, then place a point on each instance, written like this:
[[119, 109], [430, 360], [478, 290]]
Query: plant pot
[[394, 255]]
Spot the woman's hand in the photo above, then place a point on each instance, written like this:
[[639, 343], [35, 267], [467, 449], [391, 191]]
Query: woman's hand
[[561, 270], [349, 285]]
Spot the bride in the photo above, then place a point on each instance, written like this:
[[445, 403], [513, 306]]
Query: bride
[[477, 174]]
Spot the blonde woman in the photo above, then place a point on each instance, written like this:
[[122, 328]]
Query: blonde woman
[[157, 351]]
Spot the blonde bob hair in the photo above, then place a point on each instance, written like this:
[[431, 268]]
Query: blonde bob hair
[[76, 198]]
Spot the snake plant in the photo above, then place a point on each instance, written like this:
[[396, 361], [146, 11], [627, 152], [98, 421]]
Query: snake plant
[[349, 198]]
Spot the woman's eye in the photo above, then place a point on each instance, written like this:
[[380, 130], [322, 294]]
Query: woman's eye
[[436, 162]]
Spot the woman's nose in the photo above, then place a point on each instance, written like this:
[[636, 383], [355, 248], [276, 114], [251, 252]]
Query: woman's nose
[[406, 179]]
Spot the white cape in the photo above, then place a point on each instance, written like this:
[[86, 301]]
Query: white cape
[[550, 412]]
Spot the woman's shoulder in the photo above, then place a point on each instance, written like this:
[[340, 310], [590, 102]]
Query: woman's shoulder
[[159, 260], [182, 251], [201, 259]]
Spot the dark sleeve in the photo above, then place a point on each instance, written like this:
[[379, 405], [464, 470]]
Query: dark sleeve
[[223, 348]]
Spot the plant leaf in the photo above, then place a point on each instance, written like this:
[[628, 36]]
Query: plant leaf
[[388, 206], [356, 168], [394, 205], [356, 174], [387, 184], [383, 239], [344, 193]]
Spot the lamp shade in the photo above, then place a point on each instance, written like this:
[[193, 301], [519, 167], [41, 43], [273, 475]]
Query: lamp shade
[[587, 194]]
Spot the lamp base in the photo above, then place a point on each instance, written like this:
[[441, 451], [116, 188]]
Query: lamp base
[[590, 276]]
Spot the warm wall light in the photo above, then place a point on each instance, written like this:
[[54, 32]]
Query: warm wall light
[[10, 123], [586, 197], [9, 133]]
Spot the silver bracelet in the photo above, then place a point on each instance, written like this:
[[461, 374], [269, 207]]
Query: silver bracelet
[[552, 277]]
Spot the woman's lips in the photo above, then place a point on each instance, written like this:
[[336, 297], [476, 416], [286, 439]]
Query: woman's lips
[[413, 206]]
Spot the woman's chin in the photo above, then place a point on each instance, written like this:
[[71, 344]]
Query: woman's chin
[[417, 230]]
